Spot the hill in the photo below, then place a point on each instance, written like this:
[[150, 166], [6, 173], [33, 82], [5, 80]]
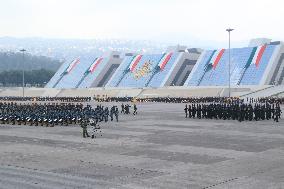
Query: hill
[[14, 61]]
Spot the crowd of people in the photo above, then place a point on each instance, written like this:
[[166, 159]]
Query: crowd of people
[[46, 99], [169, 99], [234, 111], [51, 111], [125, 99], [125, 109], [271, 100], [54, 114]]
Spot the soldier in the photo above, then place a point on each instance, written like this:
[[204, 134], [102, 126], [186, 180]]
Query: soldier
[[189, 111], [193, 111], [127, 109], [135, 109], [186, 111], [122, 108], [106, 114], [116, 114], [112, 111], [94, 127], [84, 125], [277, 113]]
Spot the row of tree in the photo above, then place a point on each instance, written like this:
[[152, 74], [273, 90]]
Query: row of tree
[[16, 61], [38, 69], [32, 78]]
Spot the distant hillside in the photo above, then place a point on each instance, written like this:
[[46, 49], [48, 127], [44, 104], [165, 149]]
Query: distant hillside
[[14, 61], [66, 49]]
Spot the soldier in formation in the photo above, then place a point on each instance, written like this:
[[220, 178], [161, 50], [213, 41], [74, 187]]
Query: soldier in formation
[[234, 111], [48, 114], [46, 99], [171, 99], [125, 109], [135, 109]]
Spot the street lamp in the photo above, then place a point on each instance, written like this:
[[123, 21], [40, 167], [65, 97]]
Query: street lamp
[[229, 32], [23, 51]]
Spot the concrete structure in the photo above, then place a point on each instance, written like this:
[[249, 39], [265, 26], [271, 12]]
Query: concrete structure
[[155, 70], [261, 63], [102, 73], [257, 65]]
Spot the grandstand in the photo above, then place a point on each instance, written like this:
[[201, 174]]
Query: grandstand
[[149, 70], [85, 72], [249, 66], [155, 70], [256, 70], [99, 72]]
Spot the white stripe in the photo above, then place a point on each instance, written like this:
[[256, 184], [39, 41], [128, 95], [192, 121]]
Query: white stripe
[[96, 61], [255, 55], [163, 59], [91, 67], [71, 65], [133, 61], [213, 59]]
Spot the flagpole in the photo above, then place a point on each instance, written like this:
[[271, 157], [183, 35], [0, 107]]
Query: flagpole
[[229, 79], [23, 71]]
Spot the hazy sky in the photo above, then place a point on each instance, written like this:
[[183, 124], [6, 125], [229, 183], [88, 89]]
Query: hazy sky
[[174, 21]]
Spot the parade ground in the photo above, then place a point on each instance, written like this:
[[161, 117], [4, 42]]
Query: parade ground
[[158, 148]]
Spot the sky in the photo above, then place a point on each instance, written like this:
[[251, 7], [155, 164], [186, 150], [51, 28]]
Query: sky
[[189, 22]]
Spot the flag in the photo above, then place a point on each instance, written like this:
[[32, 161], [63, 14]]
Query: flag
[[165, 60], [134, 62], [258, 55], [95, 64], [217, 57], [251, 57], [72, 65]]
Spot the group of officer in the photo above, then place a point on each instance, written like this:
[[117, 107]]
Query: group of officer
[[105, 98], [51, 114], [125, 109], [46, 99], [234, 111], [271, 100], [170, 99]]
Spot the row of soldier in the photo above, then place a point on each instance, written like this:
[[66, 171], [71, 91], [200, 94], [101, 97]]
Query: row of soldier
[[46, 99], [54, 114], [105, 98], [271, 100], [234, 111], [170, 99]]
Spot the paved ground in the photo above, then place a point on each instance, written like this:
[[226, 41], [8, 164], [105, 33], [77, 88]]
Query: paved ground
[[159, 148]]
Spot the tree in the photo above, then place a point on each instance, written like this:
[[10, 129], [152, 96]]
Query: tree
[[33, 77]]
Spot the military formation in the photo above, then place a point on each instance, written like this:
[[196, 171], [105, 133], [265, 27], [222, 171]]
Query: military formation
[[271, 100], [49, 115], [105, 98], [169, 99], [44, 111], [46, 99], [234, 111]]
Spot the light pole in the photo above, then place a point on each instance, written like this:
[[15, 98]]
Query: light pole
[[23, 51], [229, 31]]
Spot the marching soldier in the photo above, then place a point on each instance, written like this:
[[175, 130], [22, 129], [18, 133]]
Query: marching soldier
[[186, 110], [84, 125], [135, 109]]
